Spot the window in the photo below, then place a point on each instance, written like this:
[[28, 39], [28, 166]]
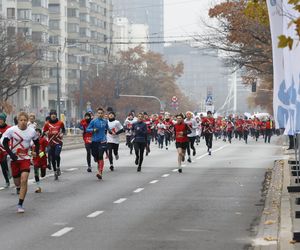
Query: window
[[84, 32], [40, 3], [11, 13], [54, 8], [54, 24], [54, 39], [83, 3], [40, 18], [84, 17], [73, 27], [72, 59], [73, 12], [53, 72], [24, 14]]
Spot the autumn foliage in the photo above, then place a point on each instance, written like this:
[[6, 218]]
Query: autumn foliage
[[135, 72], [243, 34]]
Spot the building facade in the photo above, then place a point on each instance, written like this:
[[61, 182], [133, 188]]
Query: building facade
[[71, 35], [148, 12]]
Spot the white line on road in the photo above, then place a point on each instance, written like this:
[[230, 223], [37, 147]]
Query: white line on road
[[153, 182], [138, 190], [71, 169], [202, 156], [95, 214], [120, 200], [175, 170], [184, 165], [165, 175], [62, 232], [2, 188]]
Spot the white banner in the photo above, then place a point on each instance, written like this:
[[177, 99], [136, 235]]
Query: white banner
[[276, 25], [290, 92]]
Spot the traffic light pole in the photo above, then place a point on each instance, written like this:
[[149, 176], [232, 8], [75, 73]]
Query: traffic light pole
[[146, 96]]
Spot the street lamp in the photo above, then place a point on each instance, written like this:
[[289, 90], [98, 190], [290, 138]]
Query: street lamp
[[58, 84]]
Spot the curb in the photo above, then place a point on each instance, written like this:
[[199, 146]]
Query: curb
[[286, 226]]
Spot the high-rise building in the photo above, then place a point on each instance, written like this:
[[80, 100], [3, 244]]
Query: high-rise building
[[71, 35], [149, 12]]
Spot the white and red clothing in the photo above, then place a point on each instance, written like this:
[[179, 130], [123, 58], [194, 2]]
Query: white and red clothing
[[161, 129], [208, 125], [115, 126], [20, 143]]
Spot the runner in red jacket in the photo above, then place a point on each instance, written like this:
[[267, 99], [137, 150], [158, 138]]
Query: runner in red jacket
[[87, 138], [3, 154]]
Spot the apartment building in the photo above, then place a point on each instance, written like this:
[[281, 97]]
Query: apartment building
[[71, 35]]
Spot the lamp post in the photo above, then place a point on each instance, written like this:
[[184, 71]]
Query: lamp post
[[58, 84], [80, 91]]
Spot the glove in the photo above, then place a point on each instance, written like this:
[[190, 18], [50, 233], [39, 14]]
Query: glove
[[95, 130], [41, 154], [13, 157]]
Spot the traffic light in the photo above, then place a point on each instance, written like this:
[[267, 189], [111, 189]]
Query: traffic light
[[254, 87]]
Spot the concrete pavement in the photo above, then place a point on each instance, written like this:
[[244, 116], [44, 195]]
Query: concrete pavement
[[215, 204]]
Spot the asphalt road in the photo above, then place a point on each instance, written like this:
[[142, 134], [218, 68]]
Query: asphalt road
[[214, 204]]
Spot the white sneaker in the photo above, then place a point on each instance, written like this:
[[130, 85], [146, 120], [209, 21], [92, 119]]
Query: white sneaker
[[20, 209]]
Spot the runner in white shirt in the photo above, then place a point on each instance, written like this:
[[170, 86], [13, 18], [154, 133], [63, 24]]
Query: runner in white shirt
[[130, 120], [31, 123], [113, 139], [161, 129], [193, 125], [20, 137]]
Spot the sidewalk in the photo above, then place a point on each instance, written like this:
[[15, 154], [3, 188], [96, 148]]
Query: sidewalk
[[275, 230]]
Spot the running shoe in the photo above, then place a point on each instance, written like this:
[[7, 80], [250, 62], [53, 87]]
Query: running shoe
[[55, 176], [38, 190], [136, 160], [194, 152], [180, 170], [7, 184], [58, 172], [20, 209], [209, 152], [89, 169], [99, 176], [166, 148], [139, 169], [189, 160], [111, 168], [117, 157]]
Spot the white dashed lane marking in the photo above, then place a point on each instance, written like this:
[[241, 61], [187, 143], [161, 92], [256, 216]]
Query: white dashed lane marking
[[120, 200], [153, 182], [62, 232], [95, 214], [165, 175], [175, 170], [138, 190]]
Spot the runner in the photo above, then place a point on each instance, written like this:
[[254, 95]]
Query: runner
[[20, 137], [87, 138], [161, 129], [40, 160], [55, 130], [169, 129], [32, 123], [246, 129], [269, 130], [99, 128], [3, 154], [208, 125], [140, 133], [128, 131], [192, 124], [229, 129], [113, 139], [148, 122], [181, 138]]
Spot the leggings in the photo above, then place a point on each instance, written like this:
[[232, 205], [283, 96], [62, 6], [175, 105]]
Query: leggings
[[37, 173], [139, 148], [4, 167], [54, 153], [112, 148], [167, 138], [208, 140], [191, 145], [129, 143], [268, 135], [88, 148], [161, 140]]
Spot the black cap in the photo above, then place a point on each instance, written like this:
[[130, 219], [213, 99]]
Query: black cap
[[53, 112], [87, 114]]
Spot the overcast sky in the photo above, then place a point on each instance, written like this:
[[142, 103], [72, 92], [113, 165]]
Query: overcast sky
[[182, 17]]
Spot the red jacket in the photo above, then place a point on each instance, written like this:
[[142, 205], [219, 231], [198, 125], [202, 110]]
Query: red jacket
[[41, 161], [208, 125], [55, 131], [87, 137], [2, 150]]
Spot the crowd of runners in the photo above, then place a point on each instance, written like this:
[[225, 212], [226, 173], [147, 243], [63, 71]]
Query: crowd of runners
[[24, 145]]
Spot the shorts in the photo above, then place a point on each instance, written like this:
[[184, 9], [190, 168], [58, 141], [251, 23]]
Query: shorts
[[183, 145], [18, 167], [40, 162]]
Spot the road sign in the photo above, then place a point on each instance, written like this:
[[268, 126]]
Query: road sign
[[174, 99], [209, 100]]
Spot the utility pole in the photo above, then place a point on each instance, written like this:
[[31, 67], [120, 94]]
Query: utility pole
[[80, 91], [58, 84], [162, 108]]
